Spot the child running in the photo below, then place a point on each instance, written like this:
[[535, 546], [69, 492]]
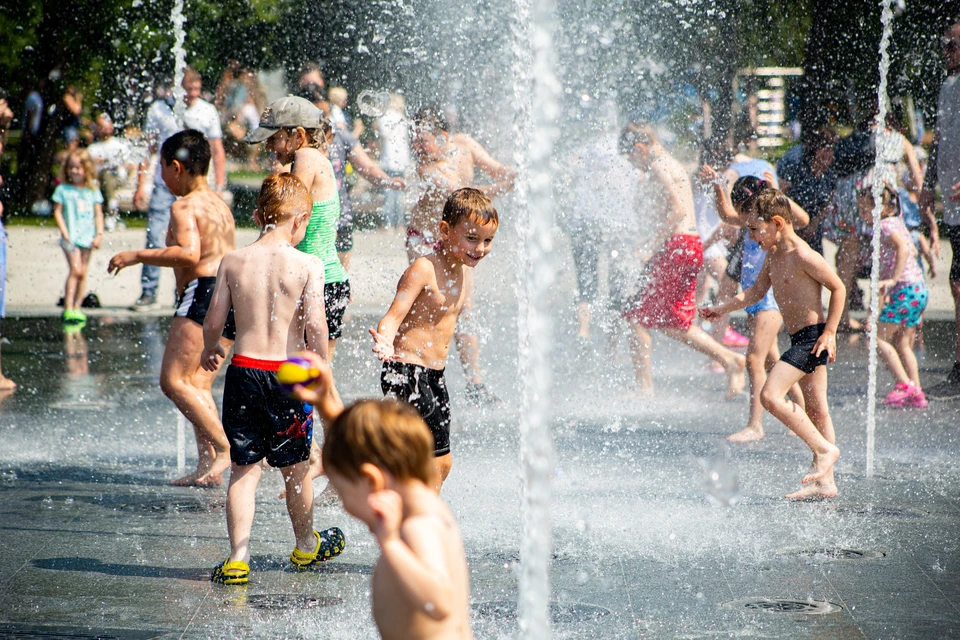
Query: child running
[[297, 134], [763, 318], [78, 212], [200, 232], [413, 338], [798, 275], [904, 289], [277, 296], [378, 456]]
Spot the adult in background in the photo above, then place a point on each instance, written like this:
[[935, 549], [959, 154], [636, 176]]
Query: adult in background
[[944, 166], [112, 162], [6, 117], [394, 130], [161, 124], [806, 175]]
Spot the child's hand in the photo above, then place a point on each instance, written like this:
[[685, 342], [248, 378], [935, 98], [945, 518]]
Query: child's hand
[[932, 269], [709, 313], [97, 241], [708, 175], [827, 341], [122, 260], [382, 347], [318, 393], [884, 289], [388, 508], [210, 359], [769, 178]]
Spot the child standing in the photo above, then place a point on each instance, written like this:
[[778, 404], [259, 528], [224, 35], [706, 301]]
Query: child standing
[[413, 338], [903, 288], [798, 275], [277, 296], [378, 457], [78, 213], [297, 134]]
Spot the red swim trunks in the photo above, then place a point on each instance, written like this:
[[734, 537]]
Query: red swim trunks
[[669, 300]]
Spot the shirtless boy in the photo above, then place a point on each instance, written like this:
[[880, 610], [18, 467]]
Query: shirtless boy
[[798, 275], [277, 296], [413, 338], [378, 457], [201, 231], [668, 301], [446, 163]]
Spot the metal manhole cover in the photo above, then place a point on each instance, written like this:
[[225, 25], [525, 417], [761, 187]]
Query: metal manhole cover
[[285, 601], [561, 613], [834, 554], [784, 606]]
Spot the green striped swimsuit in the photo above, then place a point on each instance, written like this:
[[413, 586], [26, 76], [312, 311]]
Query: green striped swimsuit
[[321, 238]]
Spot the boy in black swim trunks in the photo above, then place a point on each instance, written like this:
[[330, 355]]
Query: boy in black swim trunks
[[413, 338], [201, 231], [798, 275], [277, 296]]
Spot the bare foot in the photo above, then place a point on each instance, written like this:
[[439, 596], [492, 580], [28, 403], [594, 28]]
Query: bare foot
[[736, 381], [749, 434], [214, 475], [815, 491], [6, 384], [822, 464], [189, 480]]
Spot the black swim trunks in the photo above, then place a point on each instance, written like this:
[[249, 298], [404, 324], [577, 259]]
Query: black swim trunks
[[195, 301], [801, 344], [425, 390], [336, 297], [260, 419]]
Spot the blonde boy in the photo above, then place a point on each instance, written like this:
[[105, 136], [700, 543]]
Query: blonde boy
[[413, 338], [378, 456], [277, 296], [798, 275]]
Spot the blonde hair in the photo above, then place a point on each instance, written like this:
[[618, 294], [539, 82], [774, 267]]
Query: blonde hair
[[317, 138], [388, 434], [337, 95], [281, 196], [770, 203], [90, 174]]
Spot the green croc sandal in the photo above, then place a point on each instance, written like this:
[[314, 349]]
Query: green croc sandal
[[330, 544], [236, 572]]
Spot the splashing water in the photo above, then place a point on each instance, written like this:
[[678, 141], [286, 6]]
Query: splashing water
[[179, 60], [372, 103]]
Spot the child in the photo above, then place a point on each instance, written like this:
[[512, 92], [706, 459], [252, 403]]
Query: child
[[79, 216], [763, 318], [797, 274], [903, 288], [297, 135], [413, 338], [201, 230], [277, 296], [378, 457]]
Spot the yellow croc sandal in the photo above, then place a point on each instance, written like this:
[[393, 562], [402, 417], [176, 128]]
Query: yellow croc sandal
[[330, 544], [236, 572]]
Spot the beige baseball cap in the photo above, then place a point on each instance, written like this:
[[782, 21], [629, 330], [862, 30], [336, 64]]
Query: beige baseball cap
[[285, 113]]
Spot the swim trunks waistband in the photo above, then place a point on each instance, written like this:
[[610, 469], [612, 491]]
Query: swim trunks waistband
[[254, 363]]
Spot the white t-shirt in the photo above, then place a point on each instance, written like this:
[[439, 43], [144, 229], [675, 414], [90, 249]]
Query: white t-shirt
[[395, 133], [112, 154], [948, 149], [162, 123]]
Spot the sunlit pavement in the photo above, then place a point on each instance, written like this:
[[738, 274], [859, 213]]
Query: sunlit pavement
[[661, 530]]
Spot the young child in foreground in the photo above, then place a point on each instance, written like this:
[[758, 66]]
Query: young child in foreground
[[277, 296], [413, 338], [797, 274], [904, 289], [378, 455]]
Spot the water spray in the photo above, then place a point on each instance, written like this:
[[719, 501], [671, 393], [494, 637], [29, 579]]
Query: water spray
[[179, 61]]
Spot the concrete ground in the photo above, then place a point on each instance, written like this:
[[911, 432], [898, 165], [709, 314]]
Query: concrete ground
[[661, 529]]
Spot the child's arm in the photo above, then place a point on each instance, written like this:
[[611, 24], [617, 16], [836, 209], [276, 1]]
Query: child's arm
[[98, 220], [314, 312], [419, 567], [412, 282], [818, 269], [725, 208], [743, 299], [220, 303], [184, 252], [902, 248], [927, 254], [322, 392], [61, 223]]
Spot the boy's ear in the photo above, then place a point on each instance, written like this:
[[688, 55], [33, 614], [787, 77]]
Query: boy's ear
[[780, 222], [373, 476], [256, 218], [444, 228]]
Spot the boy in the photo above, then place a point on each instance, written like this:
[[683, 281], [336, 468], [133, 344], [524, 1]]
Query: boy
[[797, 274], [668, 301], [277, 296], [377, 455], [201, 231], [413, 338]]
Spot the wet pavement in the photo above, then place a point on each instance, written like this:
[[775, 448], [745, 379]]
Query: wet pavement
[[661, 530]]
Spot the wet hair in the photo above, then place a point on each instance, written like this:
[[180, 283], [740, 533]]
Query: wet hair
[[190, 148], [633, 133], [388, 434], [469, 203], [282, 196], [745, 189], [90, 174], [431, 120], [769, 203]]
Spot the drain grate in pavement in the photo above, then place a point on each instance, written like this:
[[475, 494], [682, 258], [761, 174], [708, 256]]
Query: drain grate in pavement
[[784, 606], [834, 554], [285, 601], [561, 613]]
